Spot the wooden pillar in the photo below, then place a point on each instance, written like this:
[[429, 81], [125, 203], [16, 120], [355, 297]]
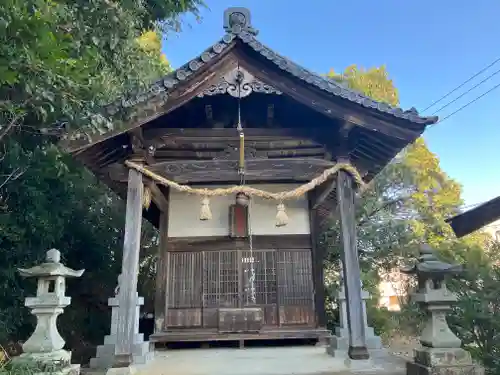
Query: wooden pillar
[[317, 258], [130, 270], [351, 269], [161, 307]]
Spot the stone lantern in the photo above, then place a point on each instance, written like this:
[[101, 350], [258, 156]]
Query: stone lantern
[[441, 351], [45, 346]]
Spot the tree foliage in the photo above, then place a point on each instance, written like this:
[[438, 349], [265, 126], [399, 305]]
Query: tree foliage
[[373, 82], [62, 60], [150, 43]]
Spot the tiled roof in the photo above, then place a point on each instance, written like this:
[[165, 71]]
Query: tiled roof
[[167, 83]]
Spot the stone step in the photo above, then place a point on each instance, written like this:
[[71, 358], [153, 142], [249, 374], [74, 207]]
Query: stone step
[[141, 349], [144, 359], [111, 339], [142, 354]]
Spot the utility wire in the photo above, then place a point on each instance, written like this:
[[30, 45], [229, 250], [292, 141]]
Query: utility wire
[[461, 85], [469, 103], [469, 90]]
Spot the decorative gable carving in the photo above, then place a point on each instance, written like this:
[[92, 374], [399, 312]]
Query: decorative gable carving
[[239, 82]]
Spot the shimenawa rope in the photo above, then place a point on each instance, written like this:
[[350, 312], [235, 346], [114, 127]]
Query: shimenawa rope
[[281, 218]]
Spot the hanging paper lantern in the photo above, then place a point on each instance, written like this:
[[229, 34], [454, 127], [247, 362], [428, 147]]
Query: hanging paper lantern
[[242, 199]]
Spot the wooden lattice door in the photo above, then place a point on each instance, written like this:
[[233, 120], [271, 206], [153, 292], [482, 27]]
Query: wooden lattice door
[[184, 289], [227, 283], [295, 288], [264, 284], [221, 284], [200, 283]]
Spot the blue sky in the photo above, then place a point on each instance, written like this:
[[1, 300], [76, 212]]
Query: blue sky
[[429, 47]]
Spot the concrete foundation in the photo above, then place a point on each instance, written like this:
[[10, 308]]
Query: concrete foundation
[[303, 360]]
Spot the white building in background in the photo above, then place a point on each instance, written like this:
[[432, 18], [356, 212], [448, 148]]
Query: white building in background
[[493, 229], [392, 289]]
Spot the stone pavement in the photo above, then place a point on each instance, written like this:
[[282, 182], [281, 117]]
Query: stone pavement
[[302, 360]]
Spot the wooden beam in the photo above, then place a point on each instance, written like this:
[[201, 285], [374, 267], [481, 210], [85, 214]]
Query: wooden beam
[[199, 171], [323, 191], [212, 243], [226, 134], [300, 169], [318, 269], [161, 308], [220, 153], [351, 269], [127, 294], [158, 197], [347, 127], [476, 218]]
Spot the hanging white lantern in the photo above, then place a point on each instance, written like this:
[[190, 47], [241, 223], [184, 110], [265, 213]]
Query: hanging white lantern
[[242, 199]]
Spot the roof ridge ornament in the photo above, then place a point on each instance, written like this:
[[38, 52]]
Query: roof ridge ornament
[[238, 20]]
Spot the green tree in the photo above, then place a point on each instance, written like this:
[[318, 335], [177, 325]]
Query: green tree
[[476, 317], [373, 82], [150, 43]]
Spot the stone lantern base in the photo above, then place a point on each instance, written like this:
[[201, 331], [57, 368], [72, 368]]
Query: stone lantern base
[[53, 363], [339, 342], [442, 361]]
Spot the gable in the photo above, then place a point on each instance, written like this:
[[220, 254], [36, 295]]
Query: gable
[[239, 46]]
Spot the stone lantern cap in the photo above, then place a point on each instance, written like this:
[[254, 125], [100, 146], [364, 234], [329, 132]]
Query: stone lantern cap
[[429, 266], [431, 273], [52, 267]]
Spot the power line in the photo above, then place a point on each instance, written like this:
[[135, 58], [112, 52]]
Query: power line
[[469, 103], [461, 85], [469, 90]]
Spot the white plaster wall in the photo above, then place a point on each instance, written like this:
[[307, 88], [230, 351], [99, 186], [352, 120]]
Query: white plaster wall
[[184, 214], [391, 287]]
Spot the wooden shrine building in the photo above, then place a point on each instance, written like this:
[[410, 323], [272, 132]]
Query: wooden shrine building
[[239, 114]]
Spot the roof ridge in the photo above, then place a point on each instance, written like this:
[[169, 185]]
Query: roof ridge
[[331, 86]]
